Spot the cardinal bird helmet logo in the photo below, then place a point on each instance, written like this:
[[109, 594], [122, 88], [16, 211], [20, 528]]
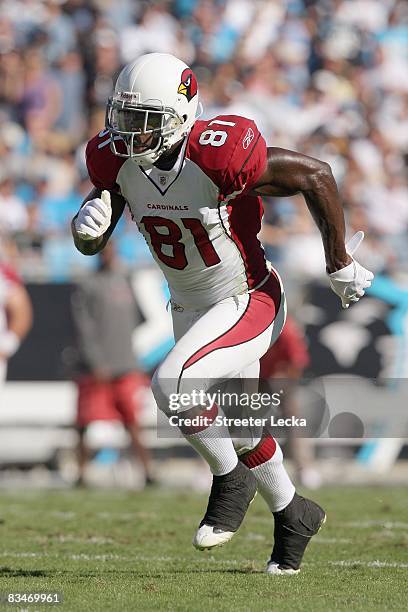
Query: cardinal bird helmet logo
[[188, 85]]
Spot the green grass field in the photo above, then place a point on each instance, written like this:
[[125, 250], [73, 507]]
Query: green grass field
[[115, 550]]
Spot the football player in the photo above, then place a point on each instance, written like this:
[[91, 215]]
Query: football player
[[16, 316], [193, 188]]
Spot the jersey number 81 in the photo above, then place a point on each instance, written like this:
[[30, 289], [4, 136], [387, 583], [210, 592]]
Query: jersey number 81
[[173, 234], [215, 138]]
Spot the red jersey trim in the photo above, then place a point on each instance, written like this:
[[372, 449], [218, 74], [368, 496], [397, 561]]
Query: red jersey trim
[[244, 218]]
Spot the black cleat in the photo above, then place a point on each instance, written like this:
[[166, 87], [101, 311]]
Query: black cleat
[[229, 500], [294, 527]]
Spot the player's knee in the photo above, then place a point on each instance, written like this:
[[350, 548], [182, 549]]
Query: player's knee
[[245, 444], [164, 388]]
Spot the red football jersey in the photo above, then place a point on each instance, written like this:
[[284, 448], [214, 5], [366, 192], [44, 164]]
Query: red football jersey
[[199, 219]]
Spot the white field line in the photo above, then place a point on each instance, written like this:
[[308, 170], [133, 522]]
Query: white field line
[[257, 537], [366, 524], [123, 516], [129, 516], [322, 540], [375, 523], [375, 564], [63, 539], [114, 557]]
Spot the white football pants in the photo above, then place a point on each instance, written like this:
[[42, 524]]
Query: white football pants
[[223, 341]]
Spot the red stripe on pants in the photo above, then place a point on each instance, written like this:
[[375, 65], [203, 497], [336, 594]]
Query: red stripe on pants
[[258, 316]]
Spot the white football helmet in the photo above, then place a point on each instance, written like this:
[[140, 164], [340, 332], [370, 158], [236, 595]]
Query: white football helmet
[[153, 107]]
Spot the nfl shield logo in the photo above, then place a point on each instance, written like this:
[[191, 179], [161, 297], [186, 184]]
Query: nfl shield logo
[[162, 180]]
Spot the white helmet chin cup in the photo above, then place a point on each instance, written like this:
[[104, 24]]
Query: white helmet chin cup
[[153, 107]]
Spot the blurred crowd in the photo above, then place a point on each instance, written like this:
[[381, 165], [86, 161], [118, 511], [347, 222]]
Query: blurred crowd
[[325, 77]]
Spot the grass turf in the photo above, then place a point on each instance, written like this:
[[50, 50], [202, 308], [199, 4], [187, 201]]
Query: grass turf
[[115, 550]]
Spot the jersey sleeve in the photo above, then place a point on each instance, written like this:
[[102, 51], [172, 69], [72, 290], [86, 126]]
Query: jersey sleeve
[[247, 162], [103, 166], [231, 151]]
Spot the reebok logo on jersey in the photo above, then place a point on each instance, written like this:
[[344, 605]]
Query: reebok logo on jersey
[[248, 138], [167, 207]]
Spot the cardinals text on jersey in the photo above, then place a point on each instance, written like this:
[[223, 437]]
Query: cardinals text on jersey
[[198, 218]]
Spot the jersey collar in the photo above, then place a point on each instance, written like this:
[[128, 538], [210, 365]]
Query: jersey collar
[[163, 179]]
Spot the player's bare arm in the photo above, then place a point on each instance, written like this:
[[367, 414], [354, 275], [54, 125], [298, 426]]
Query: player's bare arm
[[19, 312], [288, 173], [94, 223]]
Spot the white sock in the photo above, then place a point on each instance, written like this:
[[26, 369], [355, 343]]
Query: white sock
[[215, 446], [274, 484]]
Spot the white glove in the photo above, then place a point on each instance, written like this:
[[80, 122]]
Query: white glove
[[350, 282], [94, 217]]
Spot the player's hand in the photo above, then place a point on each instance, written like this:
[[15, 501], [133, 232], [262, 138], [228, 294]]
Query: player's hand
[[350, 282], [94, 217]]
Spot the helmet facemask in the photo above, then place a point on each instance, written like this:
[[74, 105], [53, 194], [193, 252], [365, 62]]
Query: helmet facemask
[[147, 130]]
